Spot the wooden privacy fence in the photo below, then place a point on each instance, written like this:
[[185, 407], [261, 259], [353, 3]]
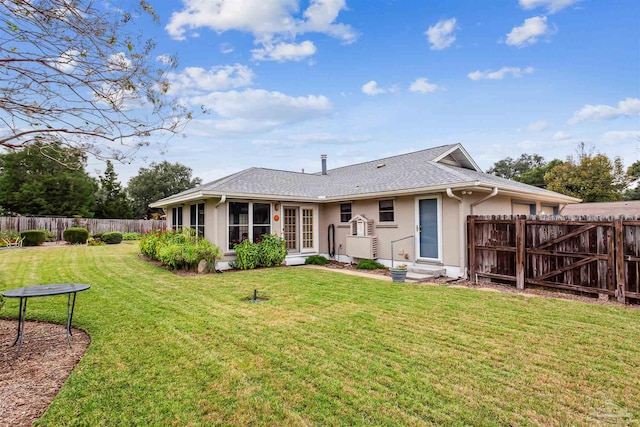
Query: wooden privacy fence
[[599, 255], [58, 225]]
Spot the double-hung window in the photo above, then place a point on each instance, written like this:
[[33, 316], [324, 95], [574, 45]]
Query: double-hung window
[[248, 220], [176, 218], [345, 212], [385, 209], [197, 219]]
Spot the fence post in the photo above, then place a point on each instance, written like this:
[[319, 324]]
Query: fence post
[[620, 276], [471, 243], [520, 258]]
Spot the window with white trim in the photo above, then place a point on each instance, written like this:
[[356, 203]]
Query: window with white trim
[[197, 219], [248, 220], [345, 212], [176, 218], [386, 211]]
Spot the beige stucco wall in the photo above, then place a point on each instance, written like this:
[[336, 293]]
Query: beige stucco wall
[[452, 242], [403, 226]]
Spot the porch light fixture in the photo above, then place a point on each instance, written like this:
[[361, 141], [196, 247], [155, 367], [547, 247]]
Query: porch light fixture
[[276, 207]]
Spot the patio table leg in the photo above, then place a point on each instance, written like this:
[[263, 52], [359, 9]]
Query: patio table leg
[[71, 303], [22, 312]]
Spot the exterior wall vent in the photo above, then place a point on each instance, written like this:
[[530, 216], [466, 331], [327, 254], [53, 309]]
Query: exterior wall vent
[[361, 243]]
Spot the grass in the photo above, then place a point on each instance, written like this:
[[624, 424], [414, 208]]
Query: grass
[[326, 349]]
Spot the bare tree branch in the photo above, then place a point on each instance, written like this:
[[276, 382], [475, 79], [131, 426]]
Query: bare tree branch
[[73, 70]]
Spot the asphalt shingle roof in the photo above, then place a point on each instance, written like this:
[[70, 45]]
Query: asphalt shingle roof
[[402, 172]]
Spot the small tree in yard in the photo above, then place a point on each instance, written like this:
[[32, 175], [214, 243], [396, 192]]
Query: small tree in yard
[[111, 198], [590, 177], [72, 69]]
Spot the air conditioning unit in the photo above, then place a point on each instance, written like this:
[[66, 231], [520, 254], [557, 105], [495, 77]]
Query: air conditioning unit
[[361, 243]]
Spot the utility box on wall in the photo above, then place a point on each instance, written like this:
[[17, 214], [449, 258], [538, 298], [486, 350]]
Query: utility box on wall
[[361, 243]]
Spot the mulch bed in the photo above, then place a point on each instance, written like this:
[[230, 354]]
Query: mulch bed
[[30, 381]]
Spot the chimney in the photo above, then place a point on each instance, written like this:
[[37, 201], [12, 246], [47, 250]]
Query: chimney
[[323, 157]]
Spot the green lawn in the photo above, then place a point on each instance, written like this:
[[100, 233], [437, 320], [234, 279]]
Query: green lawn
[[326, 349]]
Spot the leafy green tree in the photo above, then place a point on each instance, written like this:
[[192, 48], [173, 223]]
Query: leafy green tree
[[633, 172], [528, 168], [632, 194], [590, 177], [46, 178], [112, 200], [158, 181], [513, 169], [536, 175]]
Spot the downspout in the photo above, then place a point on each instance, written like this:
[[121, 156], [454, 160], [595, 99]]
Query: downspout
[[561, 207], [493, 194], [222, 200], [462, 252]]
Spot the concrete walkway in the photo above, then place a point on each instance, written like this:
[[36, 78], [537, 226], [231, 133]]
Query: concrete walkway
[[351, 272]]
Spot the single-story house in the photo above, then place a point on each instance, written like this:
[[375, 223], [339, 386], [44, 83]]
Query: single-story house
[[416, 202]]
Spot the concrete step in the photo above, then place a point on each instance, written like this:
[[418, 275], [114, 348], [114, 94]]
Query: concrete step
[[428, 270], [294, 260]]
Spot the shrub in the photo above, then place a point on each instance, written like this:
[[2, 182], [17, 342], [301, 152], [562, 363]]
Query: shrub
[[131, 236], [111, 238], [33, 237], [178, 250], [369, 264], [7, 235], [49, 235], [269, 252], [247, 255], [76, 235], [316, 260], [272, 250], [98, 235], [95, 242]]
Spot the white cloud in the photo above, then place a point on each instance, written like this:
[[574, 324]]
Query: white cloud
[[296, 141], [284, 52], [421, 85], [193, 80], [561, 136], [226, 48], [529, 32], [257, 110], [552, 6], [621, 135], [164, 58], [371, 88], [320, 17], [66, 62], [499, 74], [626, 108], [538, 126], [270, 21], [119, 62], [441, 34]]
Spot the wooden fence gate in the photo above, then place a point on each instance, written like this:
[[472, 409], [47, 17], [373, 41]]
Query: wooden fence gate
[[587, 254]]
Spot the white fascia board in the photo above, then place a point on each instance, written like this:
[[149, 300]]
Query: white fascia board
[[176, 200], [463, 151], [539, 195]]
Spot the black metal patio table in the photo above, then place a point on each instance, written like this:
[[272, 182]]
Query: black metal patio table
[[24, 294]]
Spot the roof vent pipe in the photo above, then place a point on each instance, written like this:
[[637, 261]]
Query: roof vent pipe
[[323, 157]]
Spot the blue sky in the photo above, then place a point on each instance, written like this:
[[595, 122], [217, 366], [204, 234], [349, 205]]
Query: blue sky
[[288, 80]]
